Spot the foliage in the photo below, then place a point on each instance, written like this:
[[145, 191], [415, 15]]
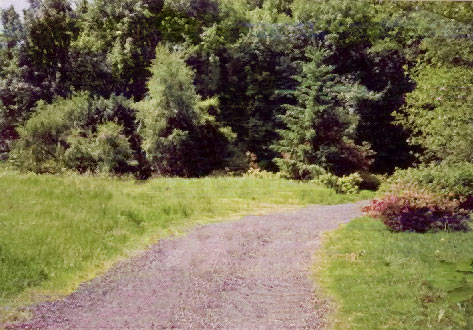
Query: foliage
[[262, 174], [107, 151], [115, 46], [447, 179], [363, 38], [16, 96], [16, 102], [233, 62], [50, 29], [438, 113], [434, 197], [112, 148], [176, 124], [371, 181], [43, 138], [76, 133], [329, 180], [80, 155], [321, 128], [349, 184], [258, 58], [419, 210], [456, 279], [295, 170], [396, 281], [376, 126]]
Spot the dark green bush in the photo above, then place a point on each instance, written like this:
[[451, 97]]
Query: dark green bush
[[371, 181]]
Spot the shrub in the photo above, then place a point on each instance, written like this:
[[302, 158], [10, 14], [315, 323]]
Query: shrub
[[76, 133], [349, 184], [291, 169], [112, 149], [419, 210], [329, 180], [257, 173], [423, 220], [107, 151], [79, 155], [447, 179], [343, 185], [371, 181], [42, 141], [116, 108]]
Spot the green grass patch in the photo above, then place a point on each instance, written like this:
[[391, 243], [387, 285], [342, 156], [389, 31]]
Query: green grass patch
[[385, 280], [56, 232]]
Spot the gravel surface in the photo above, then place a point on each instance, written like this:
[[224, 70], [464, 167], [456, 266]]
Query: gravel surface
[[247, 274]]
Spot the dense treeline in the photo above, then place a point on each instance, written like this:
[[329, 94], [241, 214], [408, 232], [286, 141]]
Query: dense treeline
[[189, 87]]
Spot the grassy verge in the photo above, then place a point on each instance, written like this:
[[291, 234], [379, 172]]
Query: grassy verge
[[384, 280], [56, 232]]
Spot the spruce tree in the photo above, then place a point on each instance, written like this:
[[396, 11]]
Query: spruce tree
[[321, 127]]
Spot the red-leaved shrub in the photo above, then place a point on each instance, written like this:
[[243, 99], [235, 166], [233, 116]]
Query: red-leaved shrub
[[419, 210]]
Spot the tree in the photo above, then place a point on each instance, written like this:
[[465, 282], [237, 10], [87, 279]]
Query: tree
[[253, 71], [17, 97], [203, 9], [321, 127], [175, 122], [373, 42], [385, 73], [439, 113], [115, 46], [12, 29], [50, 27]]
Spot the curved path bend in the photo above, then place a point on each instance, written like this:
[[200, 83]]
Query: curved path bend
[[247, 274]]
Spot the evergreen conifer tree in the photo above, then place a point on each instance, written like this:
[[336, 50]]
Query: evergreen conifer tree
[[321, 127], [180, 135]]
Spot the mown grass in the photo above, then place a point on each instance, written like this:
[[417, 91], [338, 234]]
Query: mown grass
[[56, 232], [384, 280]]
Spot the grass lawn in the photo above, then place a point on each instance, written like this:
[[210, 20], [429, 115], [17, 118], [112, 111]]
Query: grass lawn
[[56, 232], [384, 280]]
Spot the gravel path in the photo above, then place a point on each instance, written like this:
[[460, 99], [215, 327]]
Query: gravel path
[[247, 274]]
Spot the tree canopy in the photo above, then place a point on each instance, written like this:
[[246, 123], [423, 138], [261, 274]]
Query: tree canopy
[[190, 87]]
